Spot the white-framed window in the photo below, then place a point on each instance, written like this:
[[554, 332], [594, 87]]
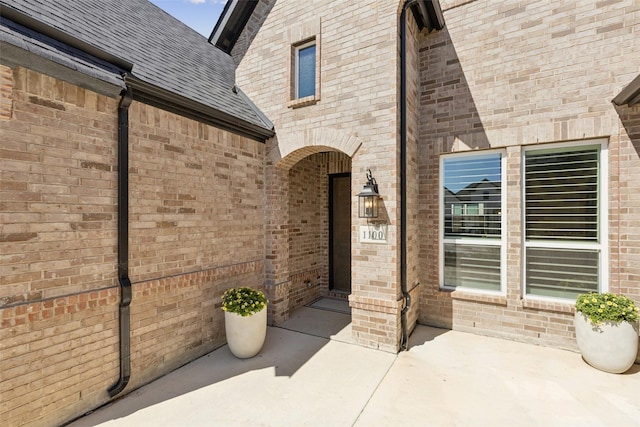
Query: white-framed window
[[565, 219], [305, 70], [472, 246]]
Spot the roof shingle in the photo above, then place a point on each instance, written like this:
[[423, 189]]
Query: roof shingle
[[165, 53]]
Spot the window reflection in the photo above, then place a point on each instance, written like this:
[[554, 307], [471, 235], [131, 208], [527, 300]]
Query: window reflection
[[472, 196]]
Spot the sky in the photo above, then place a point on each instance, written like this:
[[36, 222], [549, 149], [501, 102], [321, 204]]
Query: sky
[[201, 15]]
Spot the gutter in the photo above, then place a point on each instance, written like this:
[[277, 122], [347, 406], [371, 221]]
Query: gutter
[[27, 21], [175, 103], [123, 244], [403, 178], [428, 15]]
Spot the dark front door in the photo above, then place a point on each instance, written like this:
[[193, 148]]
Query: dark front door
[[340, 232]]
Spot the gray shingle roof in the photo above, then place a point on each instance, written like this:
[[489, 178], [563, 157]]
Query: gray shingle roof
[[165, 53]]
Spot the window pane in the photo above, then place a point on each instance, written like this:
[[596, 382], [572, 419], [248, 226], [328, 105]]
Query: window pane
[[472, 266], [562, 195], [472, 196], [561, 273], [307, 71]]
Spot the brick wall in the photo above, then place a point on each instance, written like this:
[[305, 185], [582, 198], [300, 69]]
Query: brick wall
[[308, 231], [6, 92], [412, 172], [506, 75], [58, 357], [58, 294], [308, 216], [177, 319], [628, 206], [58, 190], [252, 27], [196, 229], [196, 195]]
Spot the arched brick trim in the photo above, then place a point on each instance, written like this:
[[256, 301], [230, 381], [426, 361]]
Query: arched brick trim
[[296, 146]]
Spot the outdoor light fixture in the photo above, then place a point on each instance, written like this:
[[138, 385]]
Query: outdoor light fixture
[[368, 198]]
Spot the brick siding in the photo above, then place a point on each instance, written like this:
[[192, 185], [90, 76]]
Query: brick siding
[[625, 214], [6, 92], [506, 75], [58, 357], [196, 229], [58, 190]]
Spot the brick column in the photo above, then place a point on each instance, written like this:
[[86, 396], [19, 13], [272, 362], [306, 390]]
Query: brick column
[[376, 300], [277, 241]]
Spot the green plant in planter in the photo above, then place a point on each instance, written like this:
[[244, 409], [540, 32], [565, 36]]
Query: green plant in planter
[[607, 307], [243, 301]]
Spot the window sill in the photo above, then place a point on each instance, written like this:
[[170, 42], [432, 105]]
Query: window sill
[[303, 102], [478, 297], [555, 306]]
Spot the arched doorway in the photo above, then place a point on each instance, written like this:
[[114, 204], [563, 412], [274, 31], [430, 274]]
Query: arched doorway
[[319, 228], [297, 224]]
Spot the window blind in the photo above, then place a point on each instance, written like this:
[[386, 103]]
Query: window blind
[[472, 266], [562, 195], [562, 221], [561, 273]]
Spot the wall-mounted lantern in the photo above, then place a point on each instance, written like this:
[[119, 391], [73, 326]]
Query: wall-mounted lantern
[[368, 199]]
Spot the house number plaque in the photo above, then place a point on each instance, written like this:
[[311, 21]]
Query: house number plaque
[[373, 233]]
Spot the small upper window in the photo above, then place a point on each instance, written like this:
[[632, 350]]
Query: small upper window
[[305, 69]]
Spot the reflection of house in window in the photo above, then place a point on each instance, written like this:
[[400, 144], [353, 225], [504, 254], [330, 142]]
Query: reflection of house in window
[[474, 210], [472, 240], [467, 216]]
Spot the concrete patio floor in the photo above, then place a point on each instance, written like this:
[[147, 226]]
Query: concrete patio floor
[[309, 373]]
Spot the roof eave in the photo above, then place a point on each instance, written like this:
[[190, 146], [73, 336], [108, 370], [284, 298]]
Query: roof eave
[[107, 84], [231, 23], [428, 14], [170, 101], [630, 95], [112, 83], [25, 20]]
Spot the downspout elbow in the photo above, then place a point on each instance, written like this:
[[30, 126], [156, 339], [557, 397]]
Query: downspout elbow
[[125, 344]]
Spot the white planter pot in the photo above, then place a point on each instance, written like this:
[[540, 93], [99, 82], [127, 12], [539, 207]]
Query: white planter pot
[[245, 335], [610, 347]]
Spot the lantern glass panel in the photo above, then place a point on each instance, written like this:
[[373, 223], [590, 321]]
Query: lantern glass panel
[[368, 206]]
